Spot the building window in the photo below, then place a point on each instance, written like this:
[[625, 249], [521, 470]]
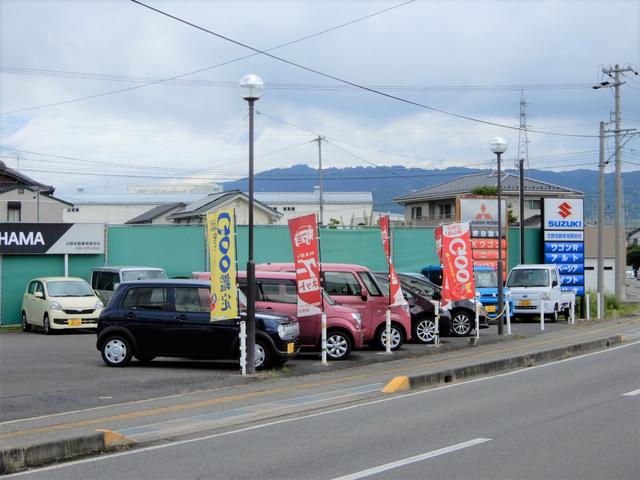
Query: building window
[[445, 211], [288, 209], [532, 204], [416, 213], [14, 212]]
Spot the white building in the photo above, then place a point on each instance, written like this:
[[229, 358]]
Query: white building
[[343, 208]]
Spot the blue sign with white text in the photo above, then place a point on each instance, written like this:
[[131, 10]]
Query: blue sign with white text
[[563, 258], [571, 269], [564, 247]]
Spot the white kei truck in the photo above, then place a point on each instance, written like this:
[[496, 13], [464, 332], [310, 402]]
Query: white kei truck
[[531, 285]]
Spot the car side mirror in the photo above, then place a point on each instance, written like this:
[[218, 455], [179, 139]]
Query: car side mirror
[[554, 284], [38, 295], [436, 296], [115, 286], [363, 295]]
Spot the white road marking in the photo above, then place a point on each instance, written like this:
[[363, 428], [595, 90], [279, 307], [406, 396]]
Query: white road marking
[[304, 417], [410, 460], [631, 394]]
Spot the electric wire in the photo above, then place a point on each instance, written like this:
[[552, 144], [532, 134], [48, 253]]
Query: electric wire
[[353, 84], [175, 77]]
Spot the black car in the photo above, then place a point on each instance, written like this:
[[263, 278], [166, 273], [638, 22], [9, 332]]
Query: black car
[[171, 318], [463, 313], [422, 310]]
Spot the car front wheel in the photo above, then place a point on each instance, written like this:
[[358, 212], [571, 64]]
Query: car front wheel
[[397, 337], [424, 330], [46, 325], [460, 323], [116, 351], [26, 326], [263, 355], [338, 345]]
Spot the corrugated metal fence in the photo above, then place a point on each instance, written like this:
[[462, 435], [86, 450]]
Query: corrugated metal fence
[[181, 249]]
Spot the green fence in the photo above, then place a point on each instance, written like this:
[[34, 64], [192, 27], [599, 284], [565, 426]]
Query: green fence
[[181, 250]]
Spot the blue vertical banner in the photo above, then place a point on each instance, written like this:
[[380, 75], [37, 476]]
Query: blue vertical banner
[[563, 224]]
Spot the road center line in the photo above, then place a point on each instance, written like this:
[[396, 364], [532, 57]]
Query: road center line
[[415, 459], [631, 394]]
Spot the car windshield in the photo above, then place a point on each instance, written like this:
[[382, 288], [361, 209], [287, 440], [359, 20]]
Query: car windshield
[[69, 288], [486, 278], [130, 275], [528, 277]]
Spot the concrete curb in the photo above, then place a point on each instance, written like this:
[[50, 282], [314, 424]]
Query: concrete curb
[[39, 454], [414, 382]]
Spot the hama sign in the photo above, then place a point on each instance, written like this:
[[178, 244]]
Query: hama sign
[[51, 238]]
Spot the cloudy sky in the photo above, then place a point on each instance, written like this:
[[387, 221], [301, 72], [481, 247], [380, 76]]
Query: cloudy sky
[[446, 59]]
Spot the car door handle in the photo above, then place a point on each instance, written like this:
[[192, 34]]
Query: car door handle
[[180, 317], [268, 308], [129, 315]]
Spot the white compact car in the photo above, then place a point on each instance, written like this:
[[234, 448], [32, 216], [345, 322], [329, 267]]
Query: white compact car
[[56, 303]]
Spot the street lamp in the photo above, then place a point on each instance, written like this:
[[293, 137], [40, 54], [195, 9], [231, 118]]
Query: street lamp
[[251, 88], [499, 146]]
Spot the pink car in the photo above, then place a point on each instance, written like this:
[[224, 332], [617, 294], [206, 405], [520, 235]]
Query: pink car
[[355, 287], [276, 292]]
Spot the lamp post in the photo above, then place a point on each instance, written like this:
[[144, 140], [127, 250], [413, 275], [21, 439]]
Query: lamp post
[[499, 146], [251, 87]]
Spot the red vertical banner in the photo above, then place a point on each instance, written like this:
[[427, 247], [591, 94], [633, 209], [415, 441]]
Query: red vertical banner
[[438, 234], [395, 290], [457, 263], [304, 242]]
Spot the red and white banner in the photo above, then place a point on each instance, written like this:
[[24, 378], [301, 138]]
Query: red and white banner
[[438, 235], [457, 265], [395, 289], [304, 243]]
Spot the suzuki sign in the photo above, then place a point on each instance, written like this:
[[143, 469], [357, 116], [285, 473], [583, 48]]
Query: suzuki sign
[[563, 214]]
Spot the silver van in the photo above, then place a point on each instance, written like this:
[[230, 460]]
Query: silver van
[[105, 280]]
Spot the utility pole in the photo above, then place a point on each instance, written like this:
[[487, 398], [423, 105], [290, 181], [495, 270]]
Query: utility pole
[[600, 274], [319, 140], [523, 159], [620, 233]]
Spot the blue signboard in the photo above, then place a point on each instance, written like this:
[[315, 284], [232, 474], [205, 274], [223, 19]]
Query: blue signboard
[[579, 291], [563, 258], [564, 247], [571, 269], [564, 241]]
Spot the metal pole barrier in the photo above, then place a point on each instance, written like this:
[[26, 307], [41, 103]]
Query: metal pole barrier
[[436, 338], [573, 310], [388, 328], [477, 304], [323, 326], [541, 313], [588, 305], [600, 307], [508, 311], [243, 347]]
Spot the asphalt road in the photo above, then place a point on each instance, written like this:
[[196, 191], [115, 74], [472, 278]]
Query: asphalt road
[[49, 374], [574, 419]]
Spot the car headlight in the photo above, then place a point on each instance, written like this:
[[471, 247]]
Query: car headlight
[[287, 331], [99, 305], [545, 296], [55, 305], [358, 319]]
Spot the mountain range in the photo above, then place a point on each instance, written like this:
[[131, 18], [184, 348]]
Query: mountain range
[[387, 183]]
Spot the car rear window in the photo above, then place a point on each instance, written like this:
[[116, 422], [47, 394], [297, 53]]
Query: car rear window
[[146, 298], [273, 290], [130, 275]]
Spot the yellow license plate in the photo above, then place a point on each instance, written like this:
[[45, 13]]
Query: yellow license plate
[[524, 303], [74, 322], [491, 308], [290, 347]]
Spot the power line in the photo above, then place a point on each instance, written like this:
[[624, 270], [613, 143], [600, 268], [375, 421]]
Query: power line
[[175, 77], [293, 86], [353, 84]]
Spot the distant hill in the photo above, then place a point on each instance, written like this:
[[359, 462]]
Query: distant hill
[[386, 183]]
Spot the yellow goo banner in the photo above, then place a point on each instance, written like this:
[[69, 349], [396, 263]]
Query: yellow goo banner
[[222, 251]]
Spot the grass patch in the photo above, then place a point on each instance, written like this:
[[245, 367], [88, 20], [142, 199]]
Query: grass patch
[[613, 306]]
